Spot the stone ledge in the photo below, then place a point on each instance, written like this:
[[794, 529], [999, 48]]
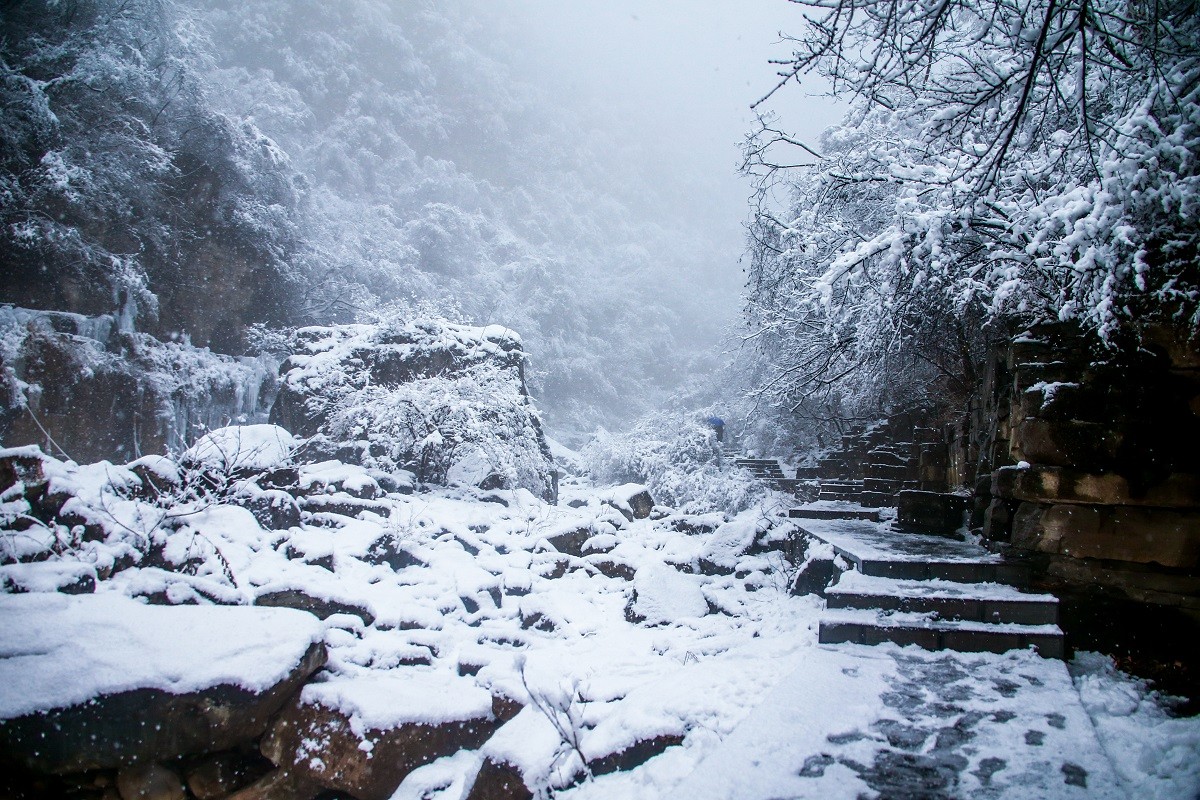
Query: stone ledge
[[1166, 537], [1043, 484], [1137, 582]]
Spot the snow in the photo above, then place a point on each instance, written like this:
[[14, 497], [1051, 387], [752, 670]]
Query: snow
[[1154, 754], [58, 650], [876, 541], [243, 447], [731, 540], [854, 582], [474, 608], [832, 710], [916, 619], [48, 577], [664, 595], [447, 778], [385, 700], [159, 466]]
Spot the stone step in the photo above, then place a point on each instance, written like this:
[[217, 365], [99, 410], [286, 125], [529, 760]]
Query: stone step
[[881, 551], [829, 511], [838, 497], [764, 472], [870, 627], [973, 602], [877, 499]]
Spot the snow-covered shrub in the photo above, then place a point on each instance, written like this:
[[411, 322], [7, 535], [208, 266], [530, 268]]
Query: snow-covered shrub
[[679, 459], [445, 401], [253, 448]]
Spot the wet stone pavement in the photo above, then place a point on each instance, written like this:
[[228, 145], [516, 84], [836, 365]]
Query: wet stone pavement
[[924, 756], [905, 724]]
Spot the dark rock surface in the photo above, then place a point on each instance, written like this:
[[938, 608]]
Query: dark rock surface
[[367, 765], [498, 780], [148, 724], [321, 607], [275, 510], [635, 754], [930, 512]]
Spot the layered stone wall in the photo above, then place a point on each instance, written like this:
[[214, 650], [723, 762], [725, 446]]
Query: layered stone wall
[[876, 462], [1092, 457]]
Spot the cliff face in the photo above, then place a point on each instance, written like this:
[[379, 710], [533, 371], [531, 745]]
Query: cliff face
[[79, 386], [447, 402]]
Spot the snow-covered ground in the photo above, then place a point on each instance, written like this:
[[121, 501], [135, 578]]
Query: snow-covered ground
[[675, 629]]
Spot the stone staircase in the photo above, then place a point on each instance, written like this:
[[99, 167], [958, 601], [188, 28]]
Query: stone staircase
[[842, 490], [931, 591], [771, 471], [873, 464]]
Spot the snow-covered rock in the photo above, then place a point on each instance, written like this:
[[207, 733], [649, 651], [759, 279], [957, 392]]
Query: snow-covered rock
[[633, 500], [662, 595], [364, 734], [729, 542], [446, 402], [243, 448], [97, 681]]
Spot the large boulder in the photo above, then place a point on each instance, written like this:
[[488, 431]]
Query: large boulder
[[728, 543], [242, 449], [633, 500], [101, 681], [446, 402], [663, 596], [363, 735]]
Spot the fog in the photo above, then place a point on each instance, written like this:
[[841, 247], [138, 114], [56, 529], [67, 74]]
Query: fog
[[671, 83], [567, 170]]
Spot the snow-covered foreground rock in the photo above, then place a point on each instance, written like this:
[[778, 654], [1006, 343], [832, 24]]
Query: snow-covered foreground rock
[[97, 681], [489, 645]]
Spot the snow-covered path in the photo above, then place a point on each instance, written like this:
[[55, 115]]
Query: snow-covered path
[[675, 634], [851, 720]]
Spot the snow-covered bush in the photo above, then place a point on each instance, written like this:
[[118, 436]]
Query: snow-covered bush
[[678, 457], [445, 401], [243, 447]]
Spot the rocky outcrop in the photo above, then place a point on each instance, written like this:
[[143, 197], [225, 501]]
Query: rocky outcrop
[[82, 385], [445, 402]]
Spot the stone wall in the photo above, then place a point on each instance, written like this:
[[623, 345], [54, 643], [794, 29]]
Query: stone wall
[[876, 462], [1093, 461]]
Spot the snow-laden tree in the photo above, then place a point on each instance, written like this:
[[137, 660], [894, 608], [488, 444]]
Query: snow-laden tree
[[1002, 162], [121, 189]]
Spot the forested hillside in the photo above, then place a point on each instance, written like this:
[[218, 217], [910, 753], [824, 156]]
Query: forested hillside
[[199, 168]]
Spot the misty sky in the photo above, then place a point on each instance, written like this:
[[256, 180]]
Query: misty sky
[[678, 77]]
